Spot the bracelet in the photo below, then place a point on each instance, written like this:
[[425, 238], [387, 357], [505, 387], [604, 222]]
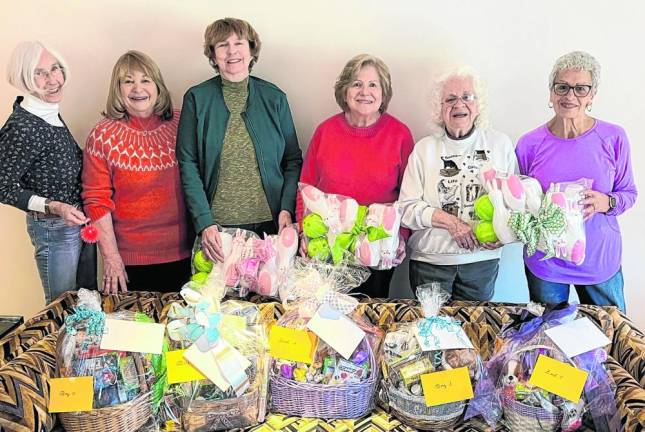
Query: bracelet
[[47, 209]]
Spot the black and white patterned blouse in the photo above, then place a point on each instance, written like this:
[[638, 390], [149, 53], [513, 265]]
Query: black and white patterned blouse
[[37, 158]]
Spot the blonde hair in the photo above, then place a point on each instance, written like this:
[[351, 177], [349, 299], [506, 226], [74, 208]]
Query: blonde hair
[[351, 70], [115, 107], [23, 62], [221, 29]]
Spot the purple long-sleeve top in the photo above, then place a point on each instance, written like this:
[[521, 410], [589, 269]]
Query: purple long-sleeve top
[[601, 154]]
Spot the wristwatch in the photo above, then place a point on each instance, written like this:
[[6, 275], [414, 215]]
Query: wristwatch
[[612, 202], [47, 210]]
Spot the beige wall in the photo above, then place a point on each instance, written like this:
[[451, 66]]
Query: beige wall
[[512, 43]]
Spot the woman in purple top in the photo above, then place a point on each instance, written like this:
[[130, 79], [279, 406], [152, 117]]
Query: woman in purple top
[[570, 146]]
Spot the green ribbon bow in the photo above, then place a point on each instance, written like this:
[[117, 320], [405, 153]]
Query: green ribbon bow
[[347, 241], [529, 229]]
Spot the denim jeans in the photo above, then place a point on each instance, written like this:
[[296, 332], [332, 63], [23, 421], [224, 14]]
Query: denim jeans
[[57, 248], [608, 293], [473, 281]]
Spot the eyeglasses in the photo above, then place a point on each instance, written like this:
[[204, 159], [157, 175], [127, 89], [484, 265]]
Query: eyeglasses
[[465, 98], [42, 74], [562, 89]]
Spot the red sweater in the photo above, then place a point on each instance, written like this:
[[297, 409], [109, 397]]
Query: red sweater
[[365, 163], [133, 173]]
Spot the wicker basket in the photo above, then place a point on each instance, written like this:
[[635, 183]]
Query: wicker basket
[[129, 416], [413, 411], [225, 414], [324, 401]]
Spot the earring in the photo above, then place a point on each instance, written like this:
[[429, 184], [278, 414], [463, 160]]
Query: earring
[[550, 104], [589, 108]]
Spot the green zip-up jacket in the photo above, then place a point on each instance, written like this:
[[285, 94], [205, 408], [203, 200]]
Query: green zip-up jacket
[[202, 125]]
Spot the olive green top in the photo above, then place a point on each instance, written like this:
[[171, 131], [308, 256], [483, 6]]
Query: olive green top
[[239, 196]]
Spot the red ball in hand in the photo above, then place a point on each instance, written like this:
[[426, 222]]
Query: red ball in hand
[[89, 234]]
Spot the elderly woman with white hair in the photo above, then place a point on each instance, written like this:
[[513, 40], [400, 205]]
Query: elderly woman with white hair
[[441, 184], [40, 170], [570, 146]]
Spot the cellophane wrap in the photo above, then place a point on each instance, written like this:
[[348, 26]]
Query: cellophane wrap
[[235, 335], [405, 348], [310, 285], [506, 376], [251, 263], [340, 231], [119, 376]]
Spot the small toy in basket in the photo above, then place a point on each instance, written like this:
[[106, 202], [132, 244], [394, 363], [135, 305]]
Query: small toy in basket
[[416, 350], [227, 344], [534, 386], [324, 354], [339, 230], [126, 385]]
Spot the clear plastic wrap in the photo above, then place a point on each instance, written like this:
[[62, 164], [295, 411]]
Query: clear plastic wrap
[[120, 378], [231, 336], [504, 390], [250, 263], [339, 230], [413, 349]]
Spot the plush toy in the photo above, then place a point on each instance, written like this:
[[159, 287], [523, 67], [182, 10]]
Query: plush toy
[[380, 253], [273, 272]]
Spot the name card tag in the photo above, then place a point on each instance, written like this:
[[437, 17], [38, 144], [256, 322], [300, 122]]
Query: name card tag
[[292, 344], [71, 394], [133, 336], [446, 386], [341, 333], [180, 370], [558, 378]]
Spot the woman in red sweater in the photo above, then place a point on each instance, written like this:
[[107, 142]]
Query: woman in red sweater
[[361, 152], [131, 185]]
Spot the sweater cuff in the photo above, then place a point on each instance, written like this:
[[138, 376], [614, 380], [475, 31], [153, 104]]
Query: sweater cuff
[[96, 213], [426, 216]]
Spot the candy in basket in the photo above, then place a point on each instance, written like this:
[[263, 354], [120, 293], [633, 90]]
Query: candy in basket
[[324, 353], [513, 383], [126, 385], [411, 350], [227, 344]]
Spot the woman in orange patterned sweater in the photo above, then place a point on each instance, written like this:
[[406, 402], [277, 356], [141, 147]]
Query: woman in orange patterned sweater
[[131, 185]]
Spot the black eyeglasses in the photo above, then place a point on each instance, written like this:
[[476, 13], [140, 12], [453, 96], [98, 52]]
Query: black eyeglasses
[[562, 89]]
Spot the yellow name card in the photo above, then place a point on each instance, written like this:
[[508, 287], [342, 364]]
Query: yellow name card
[[558, 378], [179, 369], [446, 386], [292, 344], [71, 394]]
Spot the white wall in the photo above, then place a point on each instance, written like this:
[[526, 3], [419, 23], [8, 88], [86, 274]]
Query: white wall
[[305, 44]]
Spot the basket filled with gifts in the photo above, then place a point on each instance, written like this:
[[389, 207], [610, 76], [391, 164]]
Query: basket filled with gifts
[[251, 263], [530, 384], [126, 385], [336, 229], [435, 346], [324, 362], [218, 361]]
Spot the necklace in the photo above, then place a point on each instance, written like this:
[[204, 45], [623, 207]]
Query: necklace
[[145, 127]]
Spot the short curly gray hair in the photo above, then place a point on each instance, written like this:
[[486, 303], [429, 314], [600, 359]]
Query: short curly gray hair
[[577, 60], [481, 122]]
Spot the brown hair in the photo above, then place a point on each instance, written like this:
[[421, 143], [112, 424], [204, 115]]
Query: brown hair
[[128, 62], [221, 29], [349, 73]]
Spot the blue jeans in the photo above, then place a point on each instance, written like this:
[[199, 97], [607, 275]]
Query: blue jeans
[[57, 248], [608, 293]]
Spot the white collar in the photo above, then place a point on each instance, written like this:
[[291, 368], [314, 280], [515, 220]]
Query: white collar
[[44, 110]]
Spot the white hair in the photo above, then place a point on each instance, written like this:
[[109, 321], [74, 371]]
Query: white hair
[[23, 62], [577, 60], [481, 122]]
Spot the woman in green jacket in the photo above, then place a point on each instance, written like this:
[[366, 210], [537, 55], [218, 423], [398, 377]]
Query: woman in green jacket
[[237, 146]]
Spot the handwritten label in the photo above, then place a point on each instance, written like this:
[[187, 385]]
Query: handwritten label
[[559, 378], [446, 386], [179, 369], [121, 335], [71, 394], [292, 344]]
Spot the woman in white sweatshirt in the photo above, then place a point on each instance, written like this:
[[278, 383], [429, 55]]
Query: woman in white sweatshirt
[[441, 184]]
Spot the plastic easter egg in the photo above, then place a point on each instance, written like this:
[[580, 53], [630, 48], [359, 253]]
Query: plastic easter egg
[[319, 248], [484, 208], [485, 233], [199, 277], [202, 264], [313, 226]]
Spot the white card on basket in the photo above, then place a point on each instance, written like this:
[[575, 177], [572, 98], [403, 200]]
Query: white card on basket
[[443, 339], [577, 337], [206, 364], [338, 331], [143, 337]]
